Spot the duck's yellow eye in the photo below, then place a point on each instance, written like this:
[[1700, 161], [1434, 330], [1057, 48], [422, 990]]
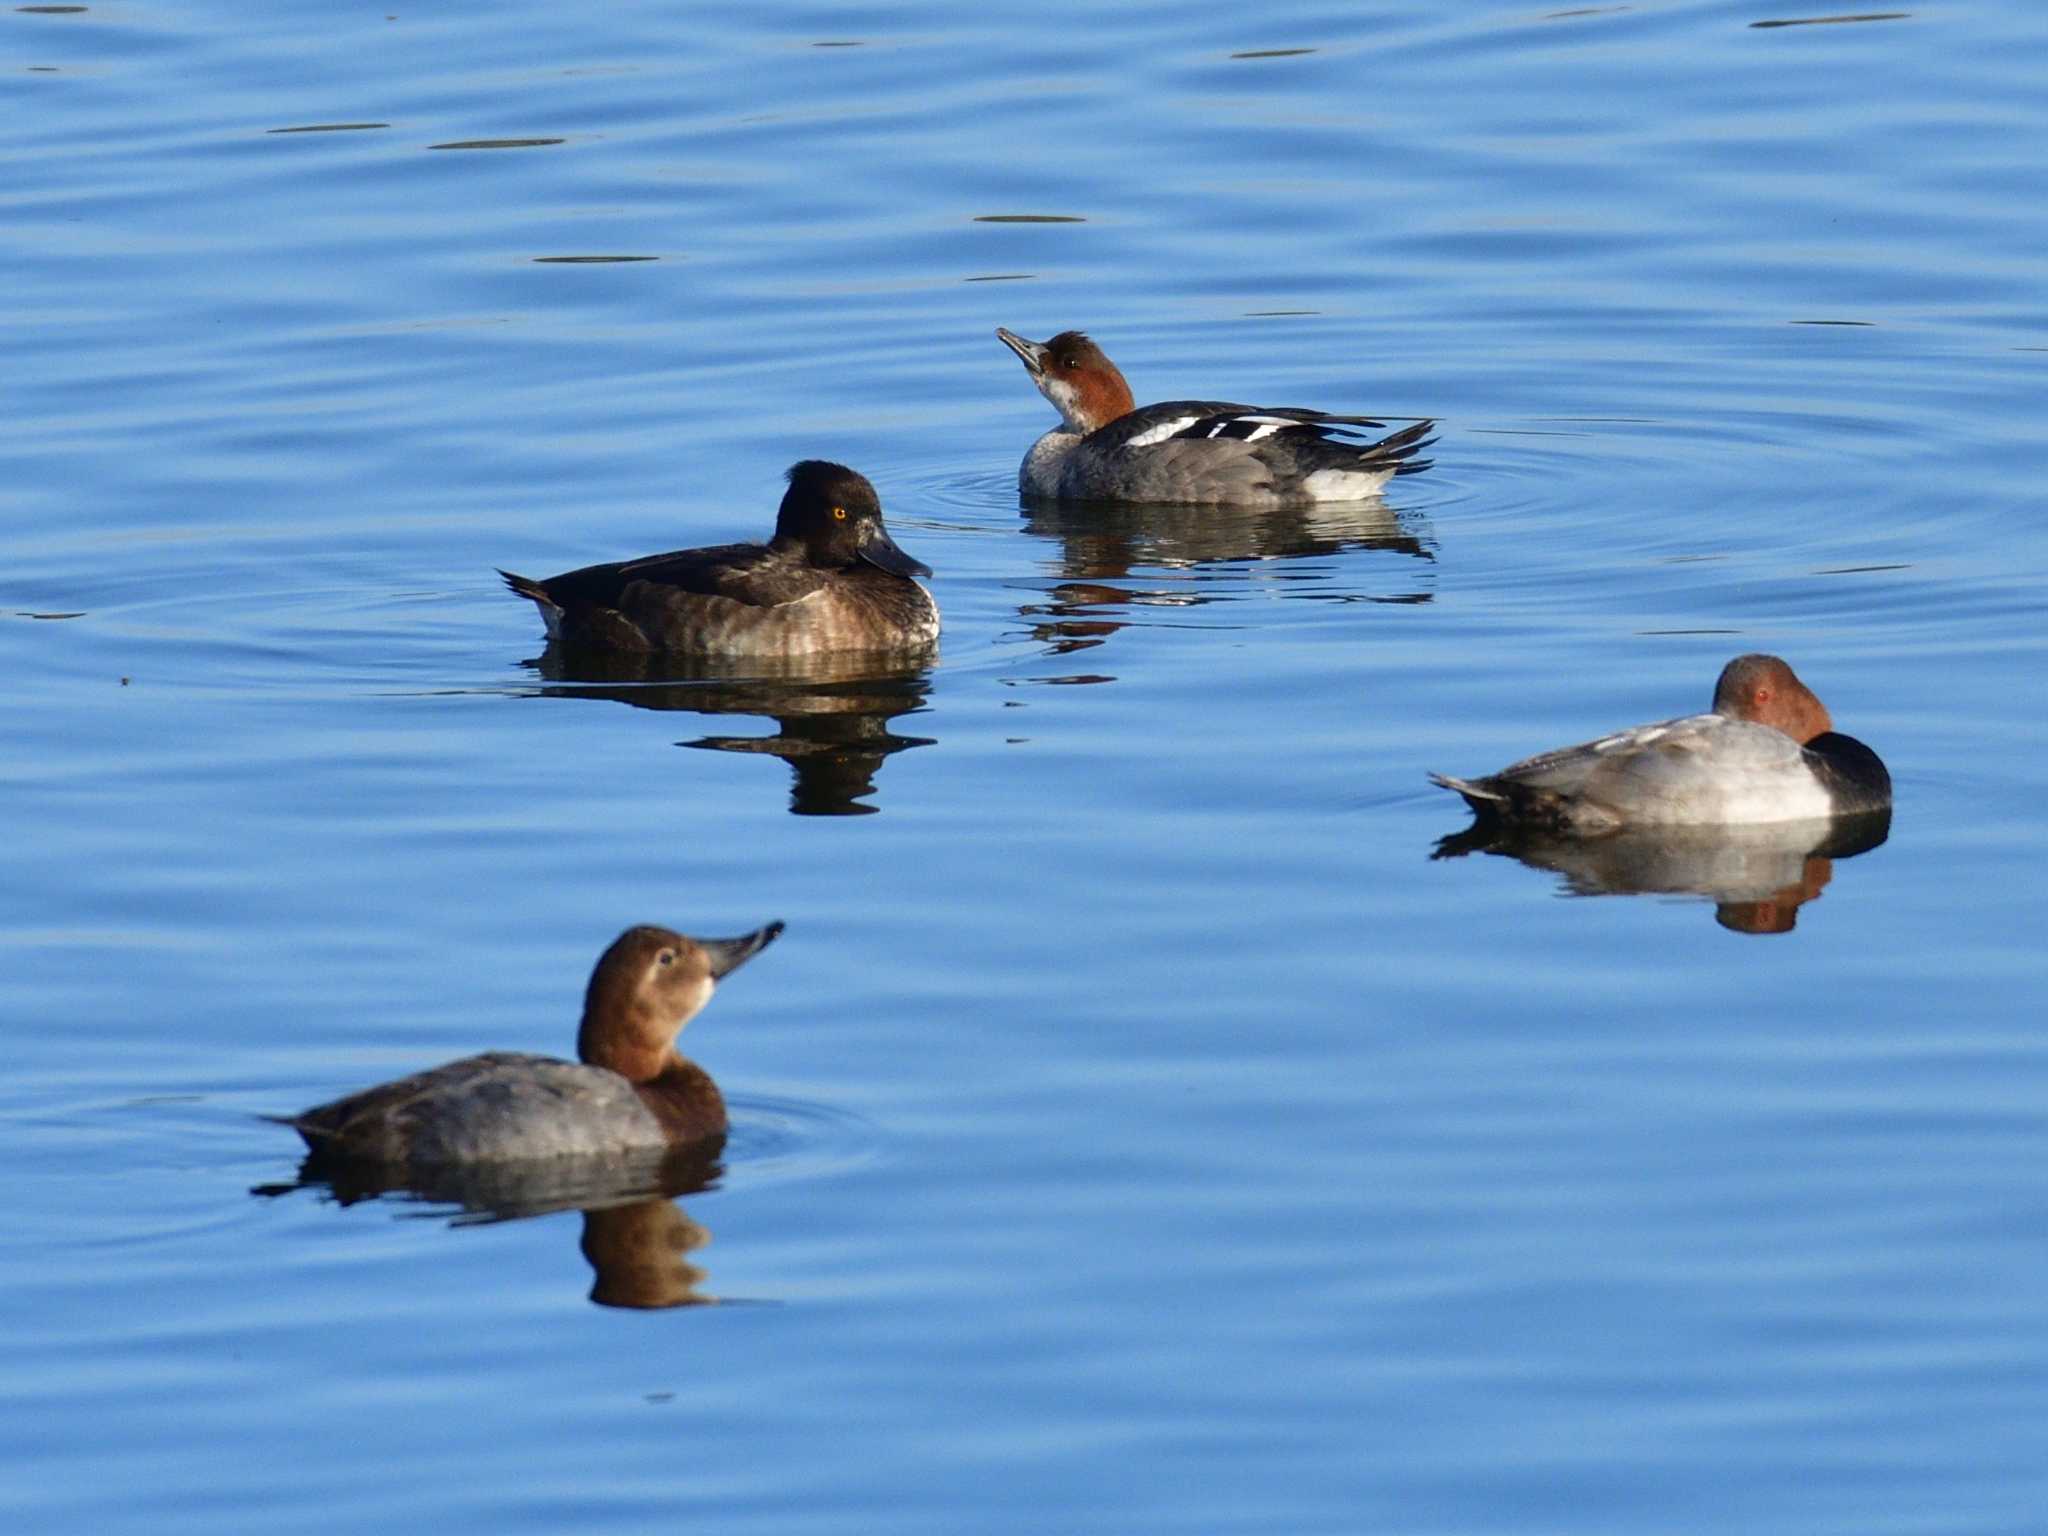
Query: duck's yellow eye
[[839, 513]]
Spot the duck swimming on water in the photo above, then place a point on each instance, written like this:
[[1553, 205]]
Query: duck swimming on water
[[631, 1090], [1767, 752], [1204, 452], [831, 579]]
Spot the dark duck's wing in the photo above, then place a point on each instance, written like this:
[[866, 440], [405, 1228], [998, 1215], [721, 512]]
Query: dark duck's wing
[[689, 599], [746, 573]]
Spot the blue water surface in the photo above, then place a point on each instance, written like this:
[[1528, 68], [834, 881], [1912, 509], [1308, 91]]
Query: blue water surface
[[1138, 1128]]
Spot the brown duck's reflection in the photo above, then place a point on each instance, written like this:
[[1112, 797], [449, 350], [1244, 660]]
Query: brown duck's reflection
[[1757, 877], [1103, 544], [639, 1254], [637, 1240], [832, 713]]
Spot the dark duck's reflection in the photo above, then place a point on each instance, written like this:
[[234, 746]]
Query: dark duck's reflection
[[832, 713], [1758, 877], [1104, 546]]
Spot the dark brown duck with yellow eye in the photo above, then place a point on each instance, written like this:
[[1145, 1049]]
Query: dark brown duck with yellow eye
[[632, 1091], [830, 580]]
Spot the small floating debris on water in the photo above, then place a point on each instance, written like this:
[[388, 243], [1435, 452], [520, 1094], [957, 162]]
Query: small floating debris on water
[[1278, 314], [1868, 324], [1829, 21], [1274, 53], [587, 261], [329, 128], [1029, 218], [497, 143], [50, 10], [1002, 277], [1588, 10]]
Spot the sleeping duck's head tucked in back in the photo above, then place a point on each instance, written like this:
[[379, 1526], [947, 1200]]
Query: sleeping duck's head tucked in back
[[1768, 752], [631, 1091], [831, 579], [1766, 691]]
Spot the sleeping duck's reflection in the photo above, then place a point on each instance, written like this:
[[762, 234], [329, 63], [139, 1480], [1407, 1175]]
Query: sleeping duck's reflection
[[1112, 557], [637, 1240], [1758, 877], [832, 713]]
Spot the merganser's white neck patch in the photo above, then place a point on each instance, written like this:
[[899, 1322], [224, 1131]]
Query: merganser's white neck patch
[[1066, 399]]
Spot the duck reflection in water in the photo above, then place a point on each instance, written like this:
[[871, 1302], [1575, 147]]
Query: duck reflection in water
[[637, 1240], [831, 713], [1111, 554], [1758, 877]]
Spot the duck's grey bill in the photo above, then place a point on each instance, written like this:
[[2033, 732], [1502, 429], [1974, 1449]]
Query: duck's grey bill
[[1033, 352], [879, 550], [728, 955]]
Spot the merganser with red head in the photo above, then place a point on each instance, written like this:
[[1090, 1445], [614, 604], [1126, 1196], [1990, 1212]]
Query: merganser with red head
[[1204, 452], [1768, 752]]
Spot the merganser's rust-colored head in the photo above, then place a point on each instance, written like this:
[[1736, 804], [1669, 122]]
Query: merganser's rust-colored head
[[647, 986], [1070, 371], [1765, 690], [833, 514]]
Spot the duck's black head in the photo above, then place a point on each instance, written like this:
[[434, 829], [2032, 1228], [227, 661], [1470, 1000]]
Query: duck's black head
[[835, 515]]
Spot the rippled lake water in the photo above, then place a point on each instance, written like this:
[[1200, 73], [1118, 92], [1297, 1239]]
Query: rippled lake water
[[1140, 1126]]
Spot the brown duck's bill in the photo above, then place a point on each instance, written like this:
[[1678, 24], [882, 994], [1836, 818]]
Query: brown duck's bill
[[1033, 352], [880, 551], [728, 955]]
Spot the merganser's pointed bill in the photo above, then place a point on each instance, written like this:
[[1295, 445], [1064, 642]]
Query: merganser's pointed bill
[[1033, 352]]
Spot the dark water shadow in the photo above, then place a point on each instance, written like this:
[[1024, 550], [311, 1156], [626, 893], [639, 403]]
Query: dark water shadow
[[1757, 877], [1104, 546], [1830, 21], [635, 1237], [832, 714]]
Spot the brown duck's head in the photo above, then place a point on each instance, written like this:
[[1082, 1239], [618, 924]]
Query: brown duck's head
[[647, 986], [1764, 689]]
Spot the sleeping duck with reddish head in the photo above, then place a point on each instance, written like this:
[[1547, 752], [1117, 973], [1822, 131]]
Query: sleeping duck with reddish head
[[1768, 752], [632, 1090], [830, 580], [1107, 447]]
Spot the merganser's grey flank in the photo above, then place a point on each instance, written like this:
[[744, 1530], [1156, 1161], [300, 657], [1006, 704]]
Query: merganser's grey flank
[[1203, 452]]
